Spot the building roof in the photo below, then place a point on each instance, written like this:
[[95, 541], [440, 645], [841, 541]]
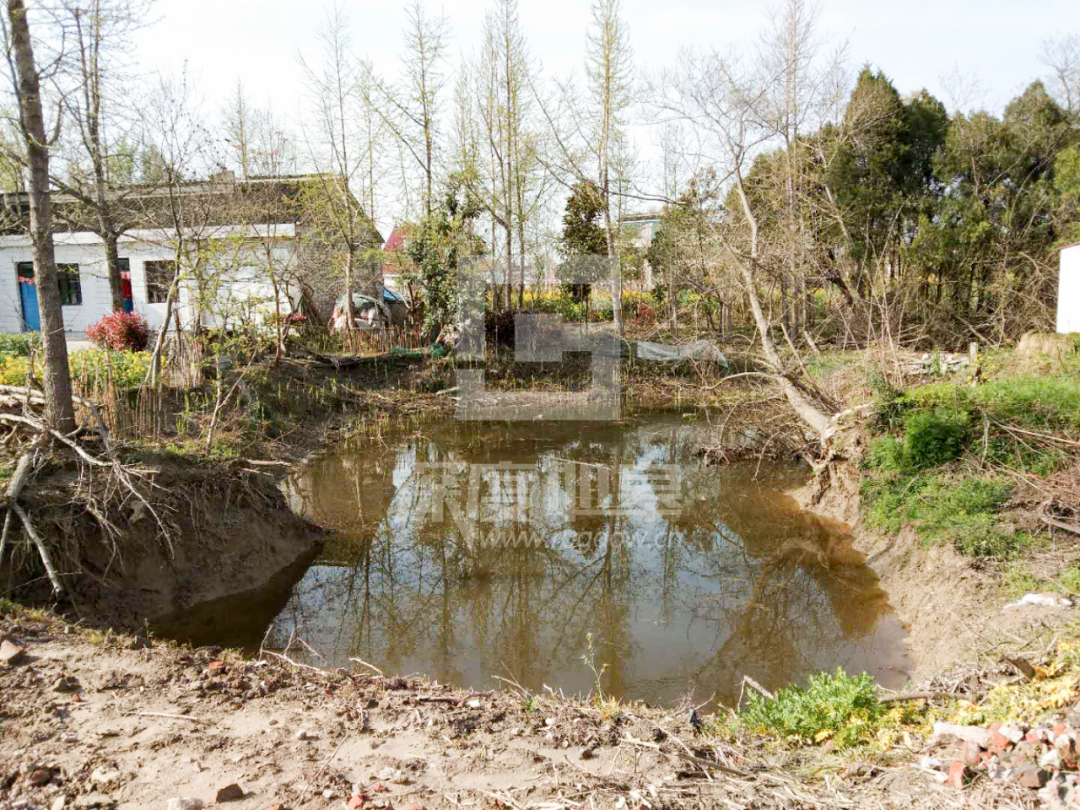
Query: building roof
[[396, 242], [221, 199], [643, 217]]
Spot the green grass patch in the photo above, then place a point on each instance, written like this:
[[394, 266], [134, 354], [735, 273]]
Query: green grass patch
[[1019, 579], [944, 508], [1012, 422], [1037, 402]]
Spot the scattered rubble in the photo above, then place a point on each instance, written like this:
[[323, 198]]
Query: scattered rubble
[[939, 363], [156, 721], [1042, 758]]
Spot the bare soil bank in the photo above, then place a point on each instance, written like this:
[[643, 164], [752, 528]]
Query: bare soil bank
[[118, 722], [951, 607], [212, 530]]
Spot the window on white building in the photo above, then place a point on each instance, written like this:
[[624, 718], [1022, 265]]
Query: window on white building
[[67, 276], [159, 277], [70, 285]]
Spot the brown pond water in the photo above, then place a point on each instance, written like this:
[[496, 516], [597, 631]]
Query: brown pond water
[[471, 550]]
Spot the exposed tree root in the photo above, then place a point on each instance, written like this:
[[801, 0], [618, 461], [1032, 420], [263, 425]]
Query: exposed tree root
[[48, 445]]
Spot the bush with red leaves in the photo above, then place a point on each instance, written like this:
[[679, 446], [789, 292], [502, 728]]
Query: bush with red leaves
[[121, 331]]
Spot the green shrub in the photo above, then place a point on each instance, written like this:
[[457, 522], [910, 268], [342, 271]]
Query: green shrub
[[91, 367], [838, 706], [936, 437], [886, 453], [19, 343], [979, 536]]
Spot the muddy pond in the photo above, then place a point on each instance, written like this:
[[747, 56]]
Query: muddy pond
[[569, 554]]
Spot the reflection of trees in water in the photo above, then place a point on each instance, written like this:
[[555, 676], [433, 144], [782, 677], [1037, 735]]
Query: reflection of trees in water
[[732, 585]]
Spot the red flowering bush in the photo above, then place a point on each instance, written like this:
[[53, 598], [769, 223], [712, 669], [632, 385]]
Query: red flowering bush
[[121, 331]]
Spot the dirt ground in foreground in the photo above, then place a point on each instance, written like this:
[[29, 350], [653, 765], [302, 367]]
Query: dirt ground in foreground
[[120, 721]]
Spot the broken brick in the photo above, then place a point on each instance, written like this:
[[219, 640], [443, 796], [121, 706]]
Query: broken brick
[[1031, 776], [11, 653], [998, 743], [956, 774]]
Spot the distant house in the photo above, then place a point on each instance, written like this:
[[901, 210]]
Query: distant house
[[642, 229], [398, 262], [235, 232]]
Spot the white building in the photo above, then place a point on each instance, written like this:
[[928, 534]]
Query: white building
[[242, 287], [1068, 304], [228, 272]]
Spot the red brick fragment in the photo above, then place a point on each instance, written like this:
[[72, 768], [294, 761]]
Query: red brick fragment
[[956, 775], [1031, 776], [999, 743]]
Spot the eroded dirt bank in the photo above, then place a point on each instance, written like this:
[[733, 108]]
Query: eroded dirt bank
[[123, 722], [950, 606], [204, 531]]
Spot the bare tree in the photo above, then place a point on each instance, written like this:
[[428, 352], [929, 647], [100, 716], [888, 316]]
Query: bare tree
[[238, 129], [608, 67], [964, 92], [410, 108], [259, 143], [585, 136], [101, 31], [26, 82], [500, 77], [723, 99], [1062, 56], [337, 221], [181, 148]]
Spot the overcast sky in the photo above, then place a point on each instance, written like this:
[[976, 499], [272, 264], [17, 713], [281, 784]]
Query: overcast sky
[[916, 42]]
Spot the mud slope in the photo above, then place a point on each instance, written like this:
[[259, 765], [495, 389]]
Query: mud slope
[[950, 607], [219, 530]]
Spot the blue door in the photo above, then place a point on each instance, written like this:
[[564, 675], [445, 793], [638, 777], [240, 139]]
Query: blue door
[[28, 296]]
